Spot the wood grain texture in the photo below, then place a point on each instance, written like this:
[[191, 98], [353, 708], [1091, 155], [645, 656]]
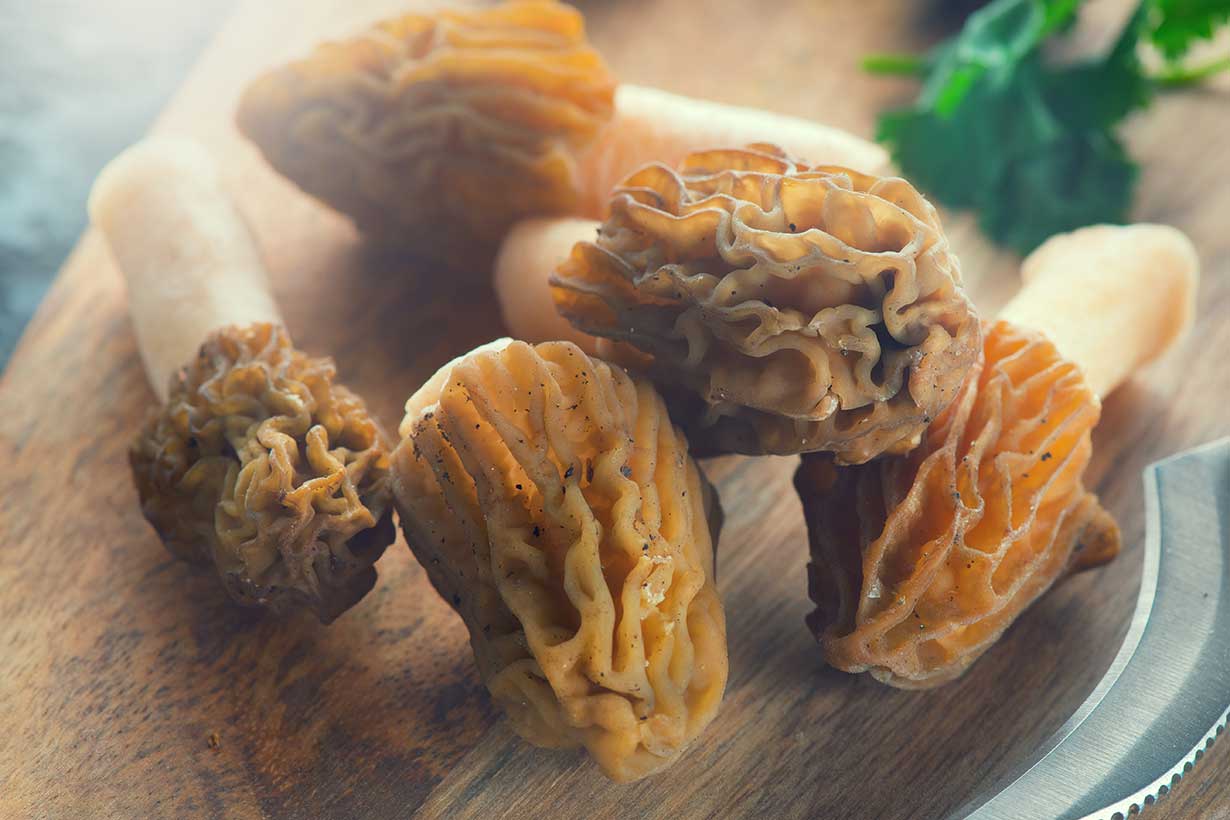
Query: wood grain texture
[[128, 687]]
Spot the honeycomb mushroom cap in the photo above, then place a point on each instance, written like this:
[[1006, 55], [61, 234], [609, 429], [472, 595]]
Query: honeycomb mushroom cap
[[261, 466], [919, 563], [439, 130], [557, 509], [787, 308]]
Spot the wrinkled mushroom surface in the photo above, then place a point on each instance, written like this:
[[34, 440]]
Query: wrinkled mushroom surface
[[557, 509], [799, 308], [438, 130], [919, 563], [261, 466]]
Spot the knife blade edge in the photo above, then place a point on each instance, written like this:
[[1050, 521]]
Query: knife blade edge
[[1194, 558]]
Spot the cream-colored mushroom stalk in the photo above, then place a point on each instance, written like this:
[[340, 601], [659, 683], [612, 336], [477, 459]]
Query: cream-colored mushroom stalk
[[1112, 298], [652, 125], [188, 258], [528, 257]]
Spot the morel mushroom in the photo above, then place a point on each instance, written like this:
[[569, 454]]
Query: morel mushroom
[[256, 463], [441, 130], [557, 509], [919, 563], [784, 308]]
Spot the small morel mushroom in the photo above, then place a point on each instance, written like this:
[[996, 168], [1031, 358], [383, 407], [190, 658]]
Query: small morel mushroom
[[256, 463], [556, 508], [440, 130], [782, 308], [919, 563]]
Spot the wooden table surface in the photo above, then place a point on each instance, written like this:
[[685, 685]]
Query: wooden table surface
[[129, 688]]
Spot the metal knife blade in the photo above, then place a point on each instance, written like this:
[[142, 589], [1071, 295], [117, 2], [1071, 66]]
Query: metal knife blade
[[1166, 695]]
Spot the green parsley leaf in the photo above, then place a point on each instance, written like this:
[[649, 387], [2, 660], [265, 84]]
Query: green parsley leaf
[[1178, 24], [1033, 147], [1101, 92]]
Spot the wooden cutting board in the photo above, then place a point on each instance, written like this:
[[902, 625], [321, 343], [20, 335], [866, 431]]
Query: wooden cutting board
[[129, 688]]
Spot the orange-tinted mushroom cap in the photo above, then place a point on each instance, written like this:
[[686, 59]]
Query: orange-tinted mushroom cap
[[919, 563], [799, 308], [261, 466], [556, 508]]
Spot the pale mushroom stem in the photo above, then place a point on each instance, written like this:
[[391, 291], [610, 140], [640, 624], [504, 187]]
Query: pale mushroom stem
[[650, 125], [1112, 298], [528, 256], [188, 257]]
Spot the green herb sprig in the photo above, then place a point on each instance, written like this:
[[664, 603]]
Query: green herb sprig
[[1030, 146]]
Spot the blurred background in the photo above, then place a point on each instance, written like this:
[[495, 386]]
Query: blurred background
[[81, 80]]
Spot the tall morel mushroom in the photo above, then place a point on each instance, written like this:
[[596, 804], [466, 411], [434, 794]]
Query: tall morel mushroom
[[557, 509], [919, 563], [784, 308], [440, 130], [256, 463]]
